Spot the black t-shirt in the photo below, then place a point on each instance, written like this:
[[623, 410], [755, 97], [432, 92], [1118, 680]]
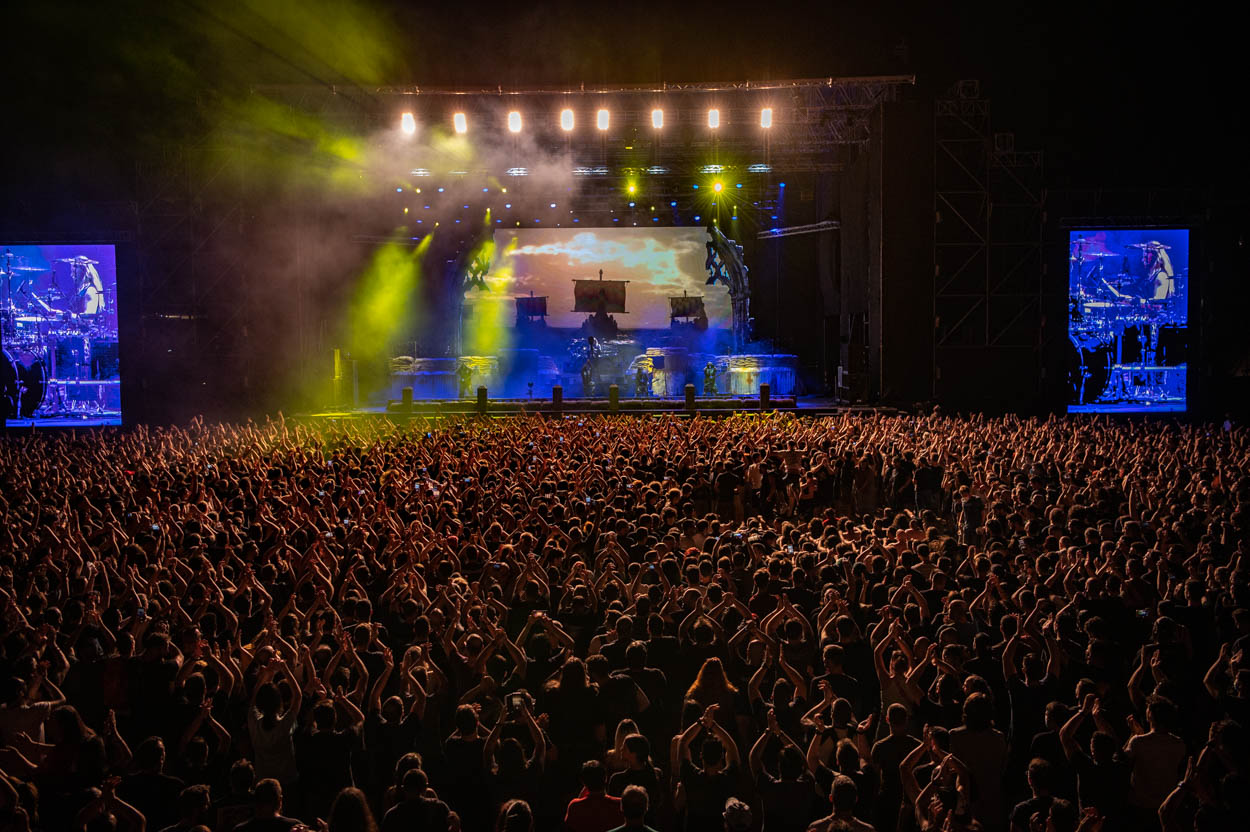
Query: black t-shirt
[[1105, 787], [706, 795], [789, 805], [422, 813]]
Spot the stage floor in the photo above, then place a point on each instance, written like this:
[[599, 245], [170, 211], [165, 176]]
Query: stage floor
[[720, 405], [1128, 407]]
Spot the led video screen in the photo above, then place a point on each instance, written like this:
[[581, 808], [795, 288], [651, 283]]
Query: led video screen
[[58, 326], [643, 277], [1128, 323]]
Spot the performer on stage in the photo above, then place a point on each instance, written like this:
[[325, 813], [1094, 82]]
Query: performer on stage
[[709, 379], [642, 382], [465, 376], [1154, 257]]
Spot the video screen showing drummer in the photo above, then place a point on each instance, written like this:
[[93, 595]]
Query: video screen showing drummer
[[1128, 328], [58, 322]]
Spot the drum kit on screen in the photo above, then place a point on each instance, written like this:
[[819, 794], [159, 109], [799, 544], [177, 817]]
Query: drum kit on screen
[[1129, 334], [58, 342]]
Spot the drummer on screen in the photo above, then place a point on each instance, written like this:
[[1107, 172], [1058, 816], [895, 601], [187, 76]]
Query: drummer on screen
[[88, 287], [1154, 257]]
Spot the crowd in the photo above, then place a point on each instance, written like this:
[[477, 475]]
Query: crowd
[[758, 622]]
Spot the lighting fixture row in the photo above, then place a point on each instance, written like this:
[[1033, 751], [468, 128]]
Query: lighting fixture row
[[603, 120]]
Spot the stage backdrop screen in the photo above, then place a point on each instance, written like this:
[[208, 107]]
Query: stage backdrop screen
[[1128, 323], [58, 324], [649, 273]]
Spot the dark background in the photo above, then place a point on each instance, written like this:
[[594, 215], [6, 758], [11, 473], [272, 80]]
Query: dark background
[[1138, 101]]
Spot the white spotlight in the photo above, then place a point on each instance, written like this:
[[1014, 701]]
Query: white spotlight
[[408, 124], [766, 117], [514, 122], [713, 118], [566, 120], [657, 118], [602, 119], [460, 122]]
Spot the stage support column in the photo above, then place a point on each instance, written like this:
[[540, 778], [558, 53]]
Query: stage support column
[[690, 397], [765, 396], [557, 398], [481, 401], [614, 398], [405, 398]]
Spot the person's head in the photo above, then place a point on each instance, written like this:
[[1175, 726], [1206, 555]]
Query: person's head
[[594, 778], [466, 720], [847, 756], [978, 712], [350, 812], [833, 655], [515, 816], [193, 802], [1161, 713], [713, 754], [1063, 816], [267, 797], [896, 717], [1039, 776], [737, 815], [324, 715], [637, 751], [415, 783], [634, 804], [150, 755], [844, 795], [242, 777], [791, 763]]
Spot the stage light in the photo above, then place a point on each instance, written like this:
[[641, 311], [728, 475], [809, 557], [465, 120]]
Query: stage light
[[713, 118], [712, 169], [759, 168], [782, 185], [408, 124], [553, 205], [632, 188], [460, 123], [405, 209], [507, 205], [485, 190], [718, 187], [697, 218], [657, 170], [518, 172], [399, 190], [657, 118], [672, 205], [514, 122], [766, 117], [739, 185], [631, 205], [440, 190], [655, 219], [566, 120], [602, 119]]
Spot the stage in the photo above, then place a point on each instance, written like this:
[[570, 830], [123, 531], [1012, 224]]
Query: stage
[[713, 407]]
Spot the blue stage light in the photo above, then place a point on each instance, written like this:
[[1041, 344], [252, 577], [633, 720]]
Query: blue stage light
[[440, 190], [672, 205], [696, 187], [783, 184], [399, 190], [631, 205], [739, 185], [697, 217]]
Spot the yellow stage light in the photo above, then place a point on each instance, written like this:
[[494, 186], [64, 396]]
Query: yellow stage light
[[460, 122], [408, 124], [718, 187]]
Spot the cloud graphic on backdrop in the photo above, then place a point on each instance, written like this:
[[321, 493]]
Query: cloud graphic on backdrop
[[659, 263]]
